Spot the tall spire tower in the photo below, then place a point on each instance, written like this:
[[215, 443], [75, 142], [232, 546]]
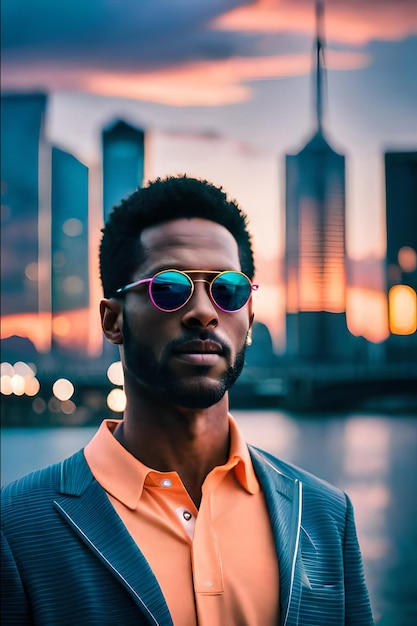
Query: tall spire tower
[[315, 237], [320, 65]]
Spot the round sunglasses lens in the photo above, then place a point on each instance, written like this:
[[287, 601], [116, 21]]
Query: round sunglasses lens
[[170, 290], [231, 291]]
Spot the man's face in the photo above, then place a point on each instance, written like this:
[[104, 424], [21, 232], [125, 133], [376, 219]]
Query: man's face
[[192, 356]]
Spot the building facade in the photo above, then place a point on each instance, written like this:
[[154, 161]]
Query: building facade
[[123, 152], [315, 250], [25, 232], [315, 253], [70, 248], [401, 233]]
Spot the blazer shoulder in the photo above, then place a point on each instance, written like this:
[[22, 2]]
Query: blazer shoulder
[[71, 475], [312, 484]]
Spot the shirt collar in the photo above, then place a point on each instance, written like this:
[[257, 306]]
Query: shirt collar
[[123, 476], [240, 459], [117, 471]]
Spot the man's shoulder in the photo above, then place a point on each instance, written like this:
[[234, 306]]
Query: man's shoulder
[[312, 485], [42, 483]]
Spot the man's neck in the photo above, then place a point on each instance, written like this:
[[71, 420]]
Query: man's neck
[[188, 441]]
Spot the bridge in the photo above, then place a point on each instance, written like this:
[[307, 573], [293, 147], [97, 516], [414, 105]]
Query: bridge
[[323, 386], [296, 387]]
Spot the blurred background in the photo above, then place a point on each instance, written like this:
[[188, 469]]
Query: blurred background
[[304, 112]]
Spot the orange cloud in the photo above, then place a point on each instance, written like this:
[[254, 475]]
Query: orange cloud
[[199, 83], [354, 23]]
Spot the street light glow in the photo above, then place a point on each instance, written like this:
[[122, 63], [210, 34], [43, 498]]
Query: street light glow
[[115, 373], [402, 310], [63, 389], [116, 400]]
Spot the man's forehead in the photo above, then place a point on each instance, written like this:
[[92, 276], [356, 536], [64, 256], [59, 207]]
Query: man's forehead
[[186, 233], [189, 243]]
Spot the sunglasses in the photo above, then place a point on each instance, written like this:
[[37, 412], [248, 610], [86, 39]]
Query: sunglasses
[[170, 290]]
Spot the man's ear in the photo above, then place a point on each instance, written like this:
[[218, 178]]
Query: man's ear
[[111, 320]]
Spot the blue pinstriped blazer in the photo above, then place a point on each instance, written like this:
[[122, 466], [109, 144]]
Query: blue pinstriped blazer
[[68, 560]]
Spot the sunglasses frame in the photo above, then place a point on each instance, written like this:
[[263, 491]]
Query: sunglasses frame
[[192, 281]]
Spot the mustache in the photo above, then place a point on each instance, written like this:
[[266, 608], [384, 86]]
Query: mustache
[[201, 334]]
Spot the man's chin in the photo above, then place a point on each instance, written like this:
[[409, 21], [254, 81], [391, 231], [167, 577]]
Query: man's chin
[[204, 392], [197, 396]]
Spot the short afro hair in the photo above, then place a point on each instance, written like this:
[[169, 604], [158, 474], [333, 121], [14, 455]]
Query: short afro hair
[[163, 200]]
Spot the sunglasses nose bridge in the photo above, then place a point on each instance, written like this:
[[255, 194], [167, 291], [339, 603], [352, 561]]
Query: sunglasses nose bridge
[[201, 293], [200, 280]]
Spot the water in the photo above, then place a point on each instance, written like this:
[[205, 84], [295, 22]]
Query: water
[[371, 456]]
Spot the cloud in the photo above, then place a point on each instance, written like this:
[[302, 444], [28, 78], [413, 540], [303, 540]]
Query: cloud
[[200, 83], [182, 53], [346, 21], [142, 34]]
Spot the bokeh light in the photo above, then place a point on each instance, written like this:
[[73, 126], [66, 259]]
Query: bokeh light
[[116, 400], [31, 271], [7, 369], [32, 386], [19, 379], [72, 227], [115, 373], [407, 259], [23, 369], [402, 310], [63, 389], [39, 405], [18, 384], [6, 385], [68, 407]]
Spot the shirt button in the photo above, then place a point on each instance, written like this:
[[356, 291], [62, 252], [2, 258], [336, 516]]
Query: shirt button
[[166, 482]]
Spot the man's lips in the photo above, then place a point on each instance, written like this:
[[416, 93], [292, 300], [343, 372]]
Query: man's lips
[[199, 346], [199, 352]]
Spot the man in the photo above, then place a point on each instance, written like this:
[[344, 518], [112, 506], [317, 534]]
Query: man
[[168, 517]]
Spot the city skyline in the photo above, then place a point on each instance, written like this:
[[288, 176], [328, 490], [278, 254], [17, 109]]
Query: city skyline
[[71, 257], [262, 110]]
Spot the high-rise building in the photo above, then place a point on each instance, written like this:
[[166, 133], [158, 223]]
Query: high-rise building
[[123, 163], [401, 228], [25, 232], [123, 149], [70, 258], [69, 232], [316, 327]]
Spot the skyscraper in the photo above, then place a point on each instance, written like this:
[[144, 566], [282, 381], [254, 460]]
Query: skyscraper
[[70, 275], [123, 170], [123, 163], [401, 223], [315, 241], [25, 235]]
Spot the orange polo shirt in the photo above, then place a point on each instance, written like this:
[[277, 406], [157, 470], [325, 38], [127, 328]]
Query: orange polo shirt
[[216, 565]]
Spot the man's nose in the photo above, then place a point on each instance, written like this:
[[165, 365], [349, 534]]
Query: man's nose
[[201, 310]]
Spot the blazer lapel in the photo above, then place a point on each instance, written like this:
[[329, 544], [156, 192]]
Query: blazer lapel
[[93, 518], [283, 497]]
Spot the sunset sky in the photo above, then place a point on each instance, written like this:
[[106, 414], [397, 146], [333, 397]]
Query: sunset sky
[[224, 89]]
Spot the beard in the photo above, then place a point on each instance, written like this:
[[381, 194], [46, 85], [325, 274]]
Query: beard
[[198, 391]]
